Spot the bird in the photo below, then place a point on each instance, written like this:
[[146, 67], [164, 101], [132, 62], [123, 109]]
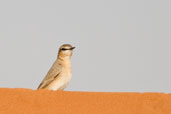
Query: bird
[[59, 75]]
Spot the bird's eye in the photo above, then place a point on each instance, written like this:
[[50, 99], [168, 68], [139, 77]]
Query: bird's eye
[[63, 49]]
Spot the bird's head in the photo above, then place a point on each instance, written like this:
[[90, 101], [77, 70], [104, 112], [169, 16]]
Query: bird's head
[[65, 51]]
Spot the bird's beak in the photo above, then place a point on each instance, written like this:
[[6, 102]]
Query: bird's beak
[[72, 48]]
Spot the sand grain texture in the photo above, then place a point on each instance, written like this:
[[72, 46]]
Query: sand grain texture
[[26, 101]]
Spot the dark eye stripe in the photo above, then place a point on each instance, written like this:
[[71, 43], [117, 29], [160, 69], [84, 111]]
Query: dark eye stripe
[[64, 49]]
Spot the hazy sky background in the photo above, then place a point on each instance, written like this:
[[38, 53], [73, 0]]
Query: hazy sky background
[[121, 45]]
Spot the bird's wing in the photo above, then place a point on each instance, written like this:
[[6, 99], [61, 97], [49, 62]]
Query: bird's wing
[[51, 75]]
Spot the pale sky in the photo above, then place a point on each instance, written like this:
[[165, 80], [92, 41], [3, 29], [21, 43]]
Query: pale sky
[[121, 45]]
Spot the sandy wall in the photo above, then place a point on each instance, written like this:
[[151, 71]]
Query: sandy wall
[[26, 101]]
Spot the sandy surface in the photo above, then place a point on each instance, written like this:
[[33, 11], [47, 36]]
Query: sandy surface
[[26, 101]]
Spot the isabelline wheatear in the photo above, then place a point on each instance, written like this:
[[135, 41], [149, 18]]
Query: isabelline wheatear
[[59, 74]]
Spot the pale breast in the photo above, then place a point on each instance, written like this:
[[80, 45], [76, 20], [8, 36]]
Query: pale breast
[[61, 81]]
